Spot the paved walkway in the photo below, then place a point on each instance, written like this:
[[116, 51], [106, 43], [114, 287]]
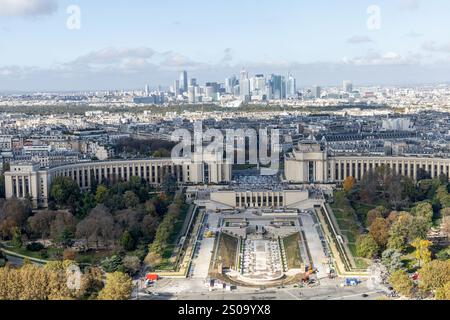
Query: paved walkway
[[204, 250], [314, 244]]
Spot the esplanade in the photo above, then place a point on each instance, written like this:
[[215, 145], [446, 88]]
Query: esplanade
[[311, 162]]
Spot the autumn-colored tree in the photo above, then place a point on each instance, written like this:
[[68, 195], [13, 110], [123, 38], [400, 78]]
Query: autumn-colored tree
[[399, 232], [367, 247], [101, 194], [349, 183], [118, 287], [32, 282], [69, 254], [434, 275], [422, 253], [91, 283], [425, 210], [444, 292], [131, 199], [372, 215], [401, 283], [379, 230]]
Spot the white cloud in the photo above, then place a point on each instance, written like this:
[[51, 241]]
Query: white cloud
[[413, 34], [122, 68], [432, 46], [359, 39], [409, 5], [18, 8], [373, 58]]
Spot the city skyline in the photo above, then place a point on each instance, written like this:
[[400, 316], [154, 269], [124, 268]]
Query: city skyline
[[94, 46]]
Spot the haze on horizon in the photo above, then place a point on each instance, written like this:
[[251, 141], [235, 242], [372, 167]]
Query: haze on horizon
[[121, 46]]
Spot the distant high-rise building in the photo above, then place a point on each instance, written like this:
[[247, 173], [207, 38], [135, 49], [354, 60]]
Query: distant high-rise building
[[291, 87], [176, 87], [317, 92], [191, 94], [244, 85], [183, 81], [192, 82], [347, 86], [278, 87], [147, 90], [211, 90], [258, 84], [230, 83]]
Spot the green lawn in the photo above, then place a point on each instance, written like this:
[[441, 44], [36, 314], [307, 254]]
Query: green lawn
[[45, 254], [228, 248], [291, 247], [345, 215]]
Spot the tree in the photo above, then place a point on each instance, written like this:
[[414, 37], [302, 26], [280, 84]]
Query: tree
[[445, 212], [446, 226], [40, 224], [65, 191], [422, 253], [132, 265], [118, 287], [392, 260], [368, 184], [372, 215], [444, 292], [379, 230], [101, 194], [419, 228], [367, 247], [127, 241], [169, 184], [112, 264], [349, 183], [63, 228], [91, 283], [17, 239], [401, 283], [13, 215], [98, 227], [425, 210], [399, 232], [434, 275], [32, 282], [69, 255], [131, 199]]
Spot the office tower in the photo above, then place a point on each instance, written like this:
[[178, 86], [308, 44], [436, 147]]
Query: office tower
[[244, 74], [191, 94], [211, 90], [176, 87], [291, 87], [258, 83], [147, 90], [278, 87], [347, 86], [183, 81], [230, 83], [317, 92], [192, 82], [244, 85]]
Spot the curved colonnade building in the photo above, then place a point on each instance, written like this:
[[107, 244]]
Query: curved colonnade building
[[309, 163], [30, 181]]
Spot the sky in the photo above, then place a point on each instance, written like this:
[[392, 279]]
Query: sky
[[93, 45]]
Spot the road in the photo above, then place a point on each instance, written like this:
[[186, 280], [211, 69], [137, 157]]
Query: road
[[194, 289]]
